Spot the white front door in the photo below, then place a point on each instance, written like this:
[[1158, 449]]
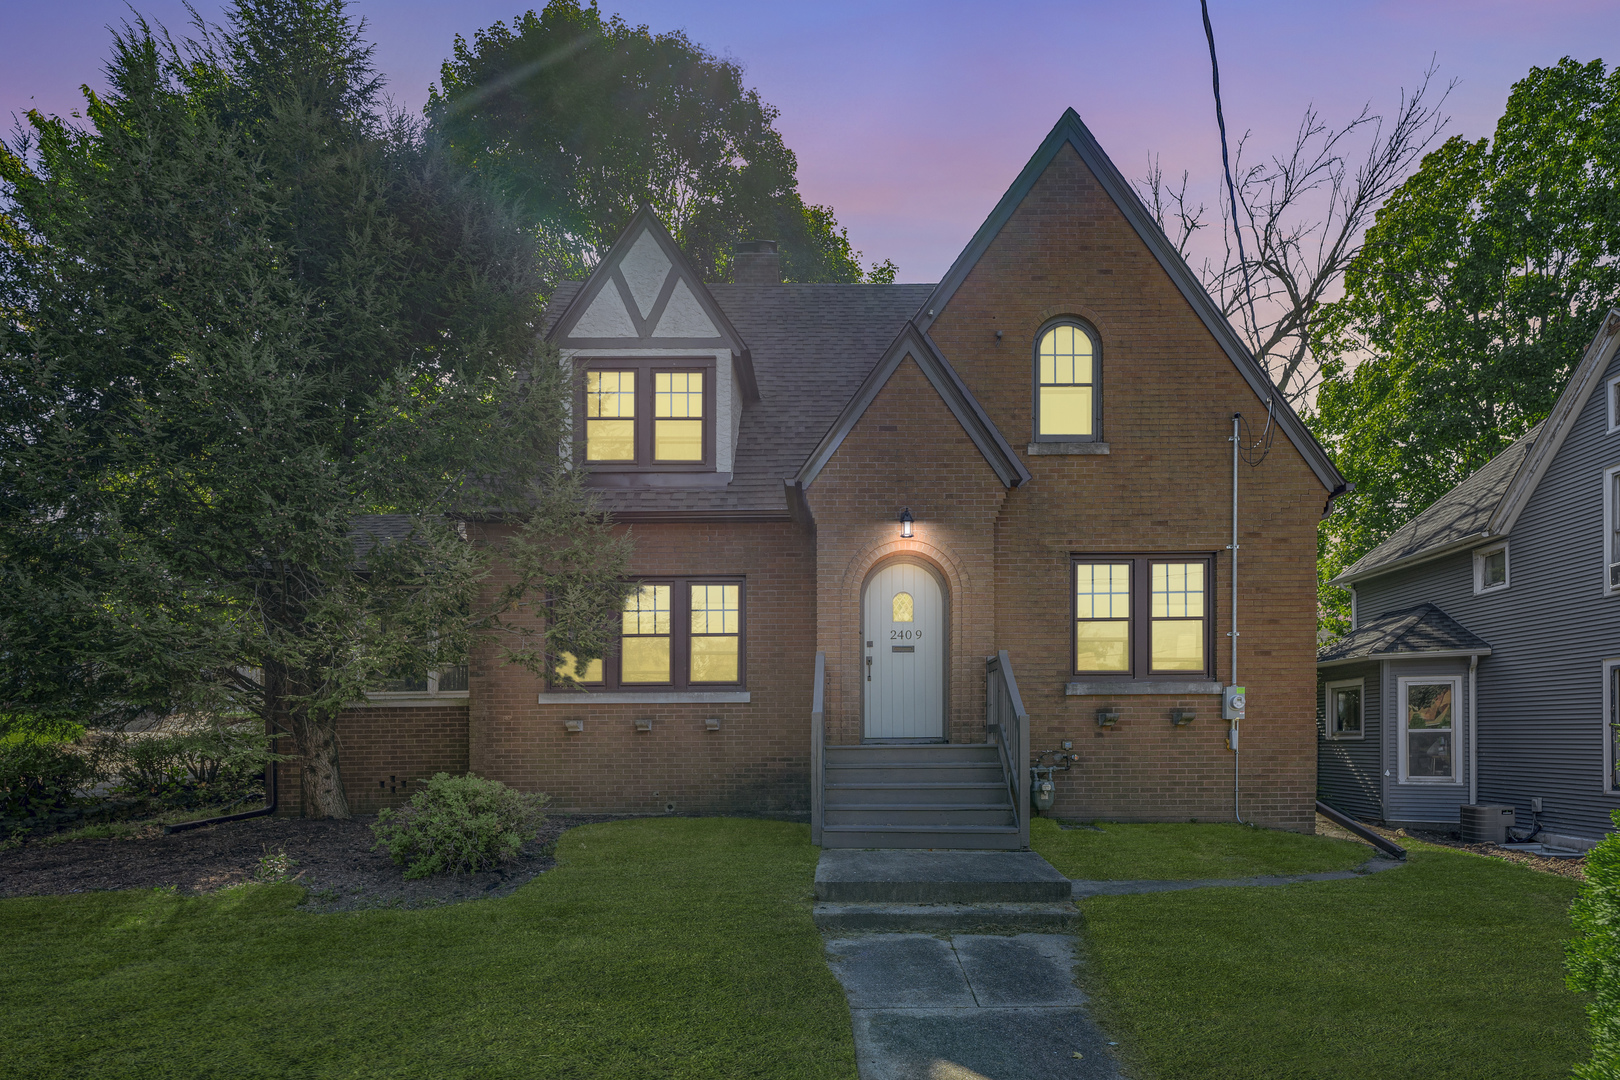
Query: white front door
[[904, 654]]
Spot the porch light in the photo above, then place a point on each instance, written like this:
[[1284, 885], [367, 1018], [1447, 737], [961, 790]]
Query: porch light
[[905, 523]]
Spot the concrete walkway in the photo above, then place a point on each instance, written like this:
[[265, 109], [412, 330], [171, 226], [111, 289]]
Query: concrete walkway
[[969, 1007], [1082, 889]]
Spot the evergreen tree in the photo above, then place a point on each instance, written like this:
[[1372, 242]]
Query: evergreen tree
[[245, 313]]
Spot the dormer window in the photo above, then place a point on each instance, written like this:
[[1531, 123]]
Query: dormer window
[[1066, 403], [649, 416]]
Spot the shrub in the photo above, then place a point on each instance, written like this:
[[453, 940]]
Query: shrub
[[211, 763], [38, 775], [459, 825], [1593, 957]]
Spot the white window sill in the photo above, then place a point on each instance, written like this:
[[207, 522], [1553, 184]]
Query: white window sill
[[1039, 448], [411, 701], [1429, 781], [1345, 738], [1113, 688], [655, 697]]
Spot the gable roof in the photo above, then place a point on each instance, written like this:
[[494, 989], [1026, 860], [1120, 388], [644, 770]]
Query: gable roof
[[812, 347], [645, 293], [964, 406], [1421, 631], [1071, 131], [1487, 503]]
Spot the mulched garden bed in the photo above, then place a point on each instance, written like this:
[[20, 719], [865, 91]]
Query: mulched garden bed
[[333, 860]]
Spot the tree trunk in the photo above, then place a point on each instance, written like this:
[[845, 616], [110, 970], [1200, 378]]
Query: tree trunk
[[316, 740]]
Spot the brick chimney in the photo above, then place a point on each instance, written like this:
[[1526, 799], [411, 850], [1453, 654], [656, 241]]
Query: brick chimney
[[756, 262]]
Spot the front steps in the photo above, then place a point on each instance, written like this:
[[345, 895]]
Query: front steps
[[919, 795], [932, 891]]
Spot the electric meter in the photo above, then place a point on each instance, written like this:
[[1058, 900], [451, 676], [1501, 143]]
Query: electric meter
[[1234, 699]]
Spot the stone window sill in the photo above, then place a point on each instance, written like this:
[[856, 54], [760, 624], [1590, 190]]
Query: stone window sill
[[1039, 448], [1117, 687], [675, 697]]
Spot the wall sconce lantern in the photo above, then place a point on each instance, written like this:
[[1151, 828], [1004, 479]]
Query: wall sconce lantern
[[905, 523]]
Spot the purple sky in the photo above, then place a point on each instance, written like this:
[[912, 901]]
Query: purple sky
[[910, 118]]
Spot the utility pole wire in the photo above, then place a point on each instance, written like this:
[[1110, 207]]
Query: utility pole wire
[[1226, 165]]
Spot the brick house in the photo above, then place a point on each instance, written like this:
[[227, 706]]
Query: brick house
[[1020, 477]]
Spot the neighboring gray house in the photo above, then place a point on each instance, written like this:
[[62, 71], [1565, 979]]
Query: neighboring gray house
[[1483, 664]]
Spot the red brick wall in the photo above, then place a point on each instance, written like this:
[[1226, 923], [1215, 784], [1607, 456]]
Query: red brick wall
[[384, 752], [1168, 396], [907, 450], [759, 759]]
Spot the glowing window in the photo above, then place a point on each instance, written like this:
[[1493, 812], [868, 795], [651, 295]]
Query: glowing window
[[903, 607], [1177, 617], [678, 416], [716, 633], [610, 416], [1066, 384], [1102, 609], [644, 651]]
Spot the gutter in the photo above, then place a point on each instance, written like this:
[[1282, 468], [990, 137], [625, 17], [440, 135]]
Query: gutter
[[1348, 577]]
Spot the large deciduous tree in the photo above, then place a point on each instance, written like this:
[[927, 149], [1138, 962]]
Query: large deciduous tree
[[1481, 281], [582, 118], [244, 313]]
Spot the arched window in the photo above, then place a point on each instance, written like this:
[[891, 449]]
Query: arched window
[[1066, 400]]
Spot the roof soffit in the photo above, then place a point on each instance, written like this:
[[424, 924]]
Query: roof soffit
[[1072, 131], [997, 453], [645, 294]]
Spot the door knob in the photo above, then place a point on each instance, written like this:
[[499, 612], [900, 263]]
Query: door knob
[[868, 669]]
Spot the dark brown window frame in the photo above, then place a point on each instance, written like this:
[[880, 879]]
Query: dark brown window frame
[[645, 368], [1141, 621], [680, 648], [1096, 381]]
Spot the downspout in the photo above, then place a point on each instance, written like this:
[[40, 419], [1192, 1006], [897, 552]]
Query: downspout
[[1473, 734], [1237, 810]]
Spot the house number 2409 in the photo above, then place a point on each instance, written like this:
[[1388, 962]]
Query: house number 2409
[[904, 635]]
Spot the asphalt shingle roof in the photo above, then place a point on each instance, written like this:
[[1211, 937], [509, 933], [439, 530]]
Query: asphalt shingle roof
[[1414, 630], [812, 347], [1462, 512]]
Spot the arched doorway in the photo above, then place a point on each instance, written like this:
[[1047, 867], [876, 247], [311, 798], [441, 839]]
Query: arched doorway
[[903, 622]]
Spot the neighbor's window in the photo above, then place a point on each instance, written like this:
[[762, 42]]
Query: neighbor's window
[[1343, 720], [1066, 384], [1490, 568], [642, 416], [674, 633], [1614, 405], [1429, 728], [1611, 544], [1143, 616]]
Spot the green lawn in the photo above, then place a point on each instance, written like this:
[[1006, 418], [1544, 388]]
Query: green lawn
[[657, 948], [1180, 852], [1447, 968]]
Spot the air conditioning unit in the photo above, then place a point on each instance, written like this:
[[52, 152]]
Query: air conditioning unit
[[1485, 823]]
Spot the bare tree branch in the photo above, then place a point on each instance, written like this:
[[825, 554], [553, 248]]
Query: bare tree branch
[[1305, 214]]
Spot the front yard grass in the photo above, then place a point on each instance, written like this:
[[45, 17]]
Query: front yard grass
[[656, 948], [1448, 968], [1112, 852]]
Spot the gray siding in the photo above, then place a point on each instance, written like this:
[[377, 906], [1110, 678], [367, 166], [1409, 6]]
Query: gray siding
[[1347, 770], [1541, 724], [1419, 802]]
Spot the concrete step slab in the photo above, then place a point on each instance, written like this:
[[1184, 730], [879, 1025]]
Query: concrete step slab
[[918, 919], [941, 837], [920, 814], [907, 876]]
